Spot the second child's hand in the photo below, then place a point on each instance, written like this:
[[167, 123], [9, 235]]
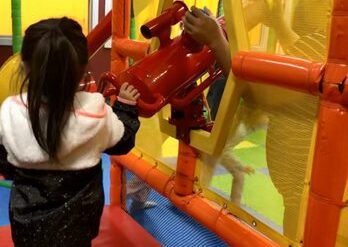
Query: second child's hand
[[205, 29]]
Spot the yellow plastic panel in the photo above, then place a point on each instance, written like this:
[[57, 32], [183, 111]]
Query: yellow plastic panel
[[35, 10], [144, 11]]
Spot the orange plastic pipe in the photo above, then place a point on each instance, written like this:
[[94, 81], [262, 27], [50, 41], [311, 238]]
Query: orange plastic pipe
[[289, 72], [330, 170], [120, 30], [131, 48], [338, 49], [329, 177], [231, 229], [185, 169]]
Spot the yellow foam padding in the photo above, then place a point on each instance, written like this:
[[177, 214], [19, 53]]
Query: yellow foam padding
[[10, 77], [35, 10]]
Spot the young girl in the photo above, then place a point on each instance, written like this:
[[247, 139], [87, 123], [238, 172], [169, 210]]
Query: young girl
[[54, 136]]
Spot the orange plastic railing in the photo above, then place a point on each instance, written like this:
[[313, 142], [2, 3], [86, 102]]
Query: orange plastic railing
[[232, 230]]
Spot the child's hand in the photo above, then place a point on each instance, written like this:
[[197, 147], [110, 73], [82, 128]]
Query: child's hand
[[128, 94], [248, 170], [202, 26]]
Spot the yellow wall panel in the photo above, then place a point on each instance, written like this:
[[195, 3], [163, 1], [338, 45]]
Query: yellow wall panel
[[35, 10], [144, 11]]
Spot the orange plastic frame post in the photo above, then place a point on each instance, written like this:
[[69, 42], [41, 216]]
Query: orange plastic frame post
[[329, 177], [120, 30], [117, 190], [185, 169], [330, 170]]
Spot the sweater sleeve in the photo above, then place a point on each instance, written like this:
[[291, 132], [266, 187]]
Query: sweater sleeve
[[128, 115]]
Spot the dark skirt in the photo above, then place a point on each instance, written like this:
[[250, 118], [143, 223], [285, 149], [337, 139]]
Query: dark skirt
[[56, 208]]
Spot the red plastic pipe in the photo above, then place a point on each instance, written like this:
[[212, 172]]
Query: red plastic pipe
[[99, 35]]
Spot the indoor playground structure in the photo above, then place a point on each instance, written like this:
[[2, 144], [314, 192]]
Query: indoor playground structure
[[285, 101]]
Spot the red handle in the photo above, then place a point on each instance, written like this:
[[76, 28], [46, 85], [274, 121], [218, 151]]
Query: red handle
[[145, 109], [99, 35], [169, 17], [149, 109]]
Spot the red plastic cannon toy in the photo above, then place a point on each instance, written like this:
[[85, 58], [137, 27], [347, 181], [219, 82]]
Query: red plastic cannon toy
[[166, 75]]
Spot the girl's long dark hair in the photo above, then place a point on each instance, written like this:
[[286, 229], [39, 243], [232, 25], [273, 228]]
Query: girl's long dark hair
[[54, 51]]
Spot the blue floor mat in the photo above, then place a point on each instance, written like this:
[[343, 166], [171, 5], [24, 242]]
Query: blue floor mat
[[173, 228], [4, 200], [106, 177]]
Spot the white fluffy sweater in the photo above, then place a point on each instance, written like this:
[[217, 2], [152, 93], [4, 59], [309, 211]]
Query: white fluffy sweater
[[91, 129]]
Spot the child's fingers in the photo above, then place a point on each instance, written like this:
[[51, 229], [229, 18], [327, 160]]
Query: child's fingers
[[190, 18], [124, 86], [188, 27], [130, 88], [198, 12], [136, 96], [133, 91], [207, 11]]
